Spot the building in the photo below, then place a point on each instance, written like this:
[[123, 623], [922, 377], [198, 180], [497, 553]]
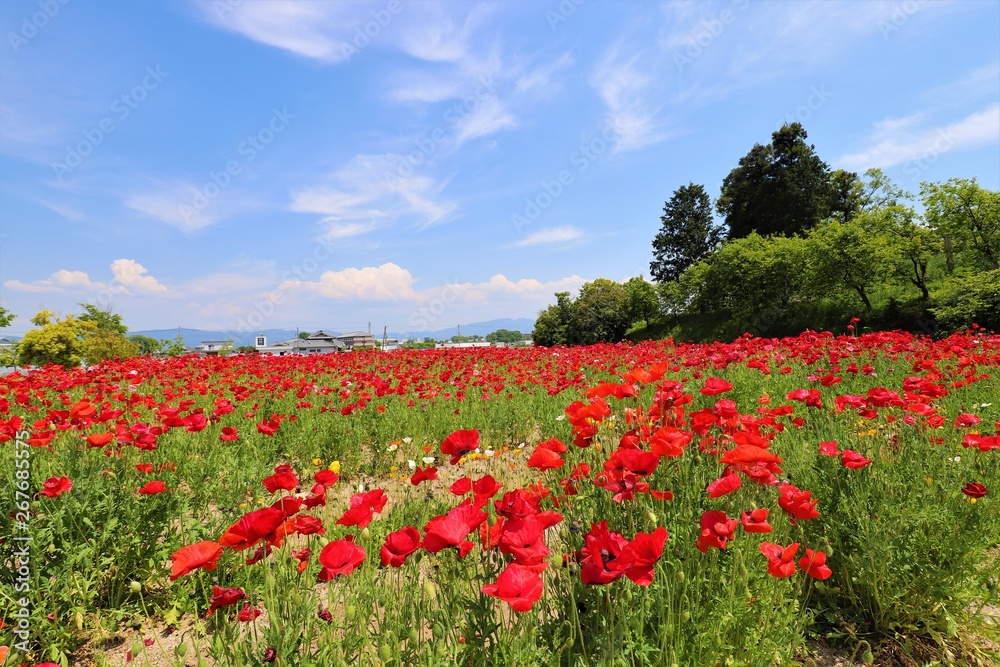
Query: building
[[357, 339], [211, 348], [317, 343]]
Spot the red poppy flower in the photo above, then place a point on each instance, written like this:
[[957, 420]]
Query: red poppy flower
[[252, 528], [485, 488], [248, 613], [284, 478], [724, 485], [461, 486], [229, 434], [814, 564], [828, 448], [641, 555], [715, 386], [268, 428], [203, 555], [54, 487], [669, 441], [459, 443], [755, 521], [146, 468], [363, 507], [522, 539], [974, 490], [152, 488], [424, 475], [780, 560], [302, 555], [340, 558], [716, 530], [225, 597], [600, 553], [327, 478], [544, 458], [797, 503], [305, 524], [398, 545], [99, 439], [636, 461], [518, 586], [853, 460], [452, 529]]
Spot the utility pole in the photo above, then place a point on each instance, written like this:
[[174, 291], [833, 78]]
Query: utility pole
[[385, 336], [369, 328]]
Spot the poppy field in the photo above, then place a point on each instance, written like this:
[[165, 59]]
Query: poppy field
[[658, 503]]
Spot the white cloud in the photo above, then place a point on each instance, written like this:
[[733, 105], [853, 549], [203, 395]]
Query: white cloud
[[319, 30], [488, 118], [388, 282], [631, 111], [128, 277], [371, 191], [899, 140], [135, 278], [174, 204], [551, 235]]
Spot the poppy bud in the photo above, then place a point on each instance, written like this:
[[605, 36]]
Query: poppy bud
[[135, 587], [136, 647], [685, 616], [414, 637], [679, 576], [366, 534], [351, 612], [430, 590], [181, 650], [385, 653], [651, 516]]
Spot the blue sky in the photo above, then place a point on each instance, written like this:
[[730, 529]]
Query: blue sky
[[259, 164]]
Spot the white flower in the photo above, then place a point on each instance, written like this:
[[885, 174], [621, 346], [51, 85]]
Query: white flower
[[407, 440], [412, 464], [560, 418], [428, 460], [489, 452], [393, 448]]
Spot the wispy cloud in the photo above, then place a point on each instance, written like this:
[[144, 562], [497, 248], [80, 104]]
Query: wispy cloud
[[898, 140], [624, 87], [551, 236], [319, 30], [371, 191]]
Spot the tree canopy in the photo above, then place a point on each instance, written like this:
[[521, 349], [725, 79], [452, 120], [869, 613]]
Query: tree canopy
[[687, 233], [785, 188]]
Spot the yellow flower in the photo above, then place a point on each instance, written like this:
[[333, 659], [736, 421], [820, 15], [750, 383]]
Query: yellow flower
[[972, 501], [334, 466], [929, 480], [393, 468], [317, 462]]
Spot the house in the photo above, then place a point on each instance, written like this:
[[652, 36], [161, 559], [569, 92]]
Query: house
[[210, 348], [317, 343], [357, 339]]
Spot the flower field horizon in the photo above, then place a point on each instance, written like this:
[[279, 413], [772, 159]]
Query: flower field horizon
[[658, 503]]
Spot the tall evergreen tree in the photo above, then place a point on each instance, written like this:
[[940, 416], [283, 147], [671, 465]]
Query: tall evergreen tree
[[781, 188], [687, 233]]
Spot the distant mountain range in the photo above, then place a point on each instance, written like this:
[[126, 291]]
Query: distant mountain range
[[194, 337]]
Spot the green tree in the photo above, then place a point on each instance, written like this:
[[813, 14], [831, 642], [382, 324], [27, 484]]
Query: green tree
[[967, 299], [6, 317], [100, 345], [753, 275], [642, 303], [304, 334], [600, 313], [962, 210], [781, 188], [552, 324], [846, 254], [687, 233], [504, 336], [103, 319], [55, 341], [148, 346], [174, 348]]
